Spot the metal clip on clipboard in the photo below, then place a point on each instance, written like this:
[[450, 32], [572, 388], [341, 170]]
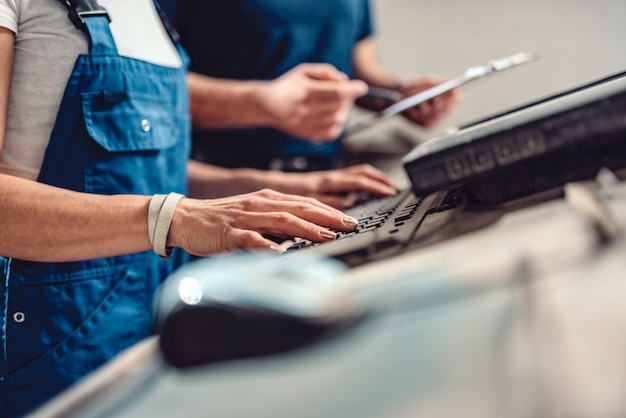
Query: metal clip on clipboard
[[471, 73]]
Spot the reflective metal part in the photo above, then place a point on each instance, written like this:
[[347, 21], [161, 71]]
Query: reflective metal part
[[512, 60], [190, 291]]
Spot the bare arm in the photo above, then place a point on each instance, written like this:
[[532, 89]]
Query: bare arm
[[333, 187], [206, 181], [7, 40], [45, 223], [312, 101], [367, 67], [222, 104]]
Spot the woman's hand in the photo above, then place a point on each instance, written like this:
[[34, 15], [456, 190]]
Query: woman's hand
[[205, 227], [336, 188], [312, 101], [431, 112]]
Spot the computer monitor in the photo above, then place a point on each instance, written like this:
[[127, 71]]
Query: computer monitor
[[533, 148]]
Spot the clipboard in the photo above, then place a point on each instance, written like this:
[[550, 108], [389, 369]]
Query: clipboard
[[472, 73]]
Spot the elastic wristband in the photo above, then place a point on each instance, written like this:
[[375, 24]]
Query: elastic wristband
[[153, 214], [160, 213]]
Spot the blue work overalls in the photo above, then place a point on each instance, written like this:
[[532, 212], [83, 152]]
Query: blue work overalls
[[122, 127]]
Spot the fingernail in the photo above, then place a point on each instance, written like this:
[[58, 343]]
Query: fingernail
[[325, 233], [350, 221], [277, 249]]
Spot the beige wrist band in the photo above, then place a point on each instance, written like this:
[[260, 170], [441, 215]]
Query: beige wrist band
[[160, 213]]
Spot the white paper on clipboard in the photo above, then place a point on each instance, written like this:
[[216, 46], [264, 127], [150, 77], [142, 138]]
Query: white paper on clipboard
[[471, 73]]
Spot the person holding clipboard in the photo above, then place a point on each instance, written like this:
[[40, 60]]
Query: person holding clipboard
[[272, 82]]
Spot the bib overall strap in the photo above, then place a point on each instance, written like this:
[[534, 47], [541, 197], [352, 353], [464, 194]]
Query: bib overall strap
[[93, 19], [173, 34], [169, 27], [77, 9]]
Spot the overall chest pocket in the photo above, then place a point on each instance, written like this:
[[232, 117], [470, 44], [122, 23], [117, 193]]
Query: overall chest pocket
[[136, 143]]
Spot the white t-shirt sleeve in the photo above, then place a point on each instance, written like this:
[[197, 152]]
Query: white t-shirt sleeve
[[9, 14]]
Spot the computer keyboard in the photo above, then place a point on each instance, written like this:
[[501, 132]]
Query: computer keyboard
[[383, 223]]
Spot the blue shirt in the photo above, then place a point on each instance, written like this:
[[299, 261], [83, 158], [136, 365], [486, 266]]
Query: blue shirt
[[262, 39]]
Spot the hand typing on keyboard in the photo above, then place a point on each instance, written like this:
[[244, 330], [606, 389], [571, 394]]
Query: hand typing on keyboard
[[340, 188], [391, 211]]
